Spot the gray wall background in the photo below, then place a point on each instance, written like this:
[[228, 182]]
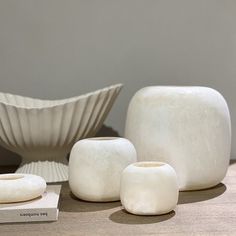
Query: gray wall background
[[61, 48]]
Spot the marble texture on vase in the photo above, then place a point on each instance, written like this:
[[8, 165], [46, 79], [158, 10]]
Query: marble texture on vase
[[20, 187], [187, 127], [149, 188], [43, 132], [95, 167]]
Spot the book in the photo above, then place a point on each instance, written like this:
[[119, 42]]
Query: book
[[43, 208]]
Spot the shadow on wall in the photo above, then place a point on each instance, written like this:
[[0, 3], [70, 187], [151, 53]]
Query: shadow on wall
[[107, 131], [10, 158]]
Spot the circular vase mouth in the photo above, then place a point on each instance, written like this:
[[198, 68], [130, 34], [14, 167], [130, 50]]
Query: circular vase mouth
[[11, 177], [149, 164], [104, 138]]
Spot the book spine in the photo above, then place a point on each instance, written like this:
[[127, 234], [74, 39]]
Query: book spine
[[28, 215]]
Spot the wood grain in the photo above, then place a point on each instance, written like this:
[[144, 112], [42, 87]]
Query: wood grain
[[206, 212]]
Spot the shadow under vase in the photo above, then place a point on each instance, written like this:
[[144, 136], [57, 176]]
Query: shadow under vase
[[124, 217], [70, 203], [201, 195]]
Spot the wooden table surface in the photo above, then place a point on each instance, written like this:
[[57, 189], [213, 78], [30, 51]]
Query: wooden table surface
[[206, 212]]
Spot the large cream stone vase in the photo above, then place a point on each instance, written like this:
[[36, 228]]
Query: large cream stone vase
[[187, 127]]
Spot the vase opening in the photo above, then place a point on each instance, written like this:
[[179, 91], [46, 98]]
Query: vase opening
[[11, 177], [104, 138], [149, 164]]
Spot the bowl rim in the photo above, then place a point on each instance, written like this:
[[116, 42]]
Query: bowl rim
[[62, 102]]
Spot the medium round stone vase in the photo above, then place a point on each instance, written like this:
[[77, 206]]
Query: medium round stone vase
[[187, 127], [96, 165]]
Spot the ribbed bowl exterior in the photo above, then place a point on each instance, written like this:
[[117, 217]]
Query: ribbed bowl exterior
[[43, 130]]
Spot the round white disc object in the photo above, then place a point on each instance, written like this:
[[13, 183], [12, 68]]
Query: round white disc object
[[20, 187]]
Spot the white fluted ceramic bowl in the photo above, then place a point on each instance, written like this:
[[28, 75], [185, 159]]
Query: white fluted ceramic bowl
[[44, 131]]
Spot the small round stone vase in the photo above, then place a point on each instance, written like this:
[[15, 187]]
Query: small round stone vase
[[149, 188], [186, 127], [96, 165]]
